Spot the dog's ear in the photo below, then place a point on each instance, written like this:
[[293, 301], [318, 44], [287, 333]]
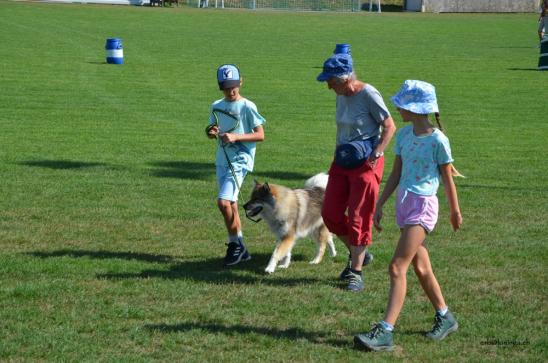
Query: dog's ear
[[266, 187], [255, 183]]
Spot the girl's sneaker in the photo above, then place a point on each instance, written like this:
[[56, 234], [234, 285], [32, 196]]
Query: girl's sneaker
[[443, 326], [377, 339]]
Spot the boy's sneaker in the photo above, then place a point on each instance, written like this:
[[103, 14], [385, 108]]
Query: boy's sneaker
[[236, 253], [377, 339], [443, 326], [345, 274], [355, 282]]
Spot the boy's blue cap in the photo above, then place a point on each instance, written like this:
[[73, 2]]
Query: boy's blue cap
[[228, 75], [417, 97], [335, 66]]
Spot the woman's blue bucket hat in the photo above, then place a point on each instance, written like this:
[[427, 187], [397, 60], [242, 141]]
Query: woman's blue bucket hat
[[335, 66], [417, 97]]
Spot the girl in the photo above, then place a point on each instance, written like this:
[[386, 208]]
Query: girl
[[423, 155]]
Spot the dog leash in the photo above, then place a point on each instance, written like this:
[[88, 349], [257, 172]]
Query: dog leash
[[222, 144]]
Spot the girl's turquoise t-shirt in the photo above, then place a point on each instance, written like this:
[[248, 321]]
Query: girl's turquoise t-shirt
[[241, 153], [421, 157]]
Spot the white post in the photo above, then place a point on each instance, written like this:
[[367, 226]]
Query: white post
[[371, 6]]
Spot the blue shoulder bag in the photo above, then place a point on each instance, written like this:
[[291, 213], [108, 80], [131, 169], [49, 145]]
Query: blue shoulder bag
[[354, 153]]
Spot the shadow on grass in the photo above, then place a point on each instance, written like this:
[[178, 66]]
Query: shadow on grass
[[507, 188], [286, 334], [281, 175], [211, 270], [205, 171], [208, 270], [102, 255], [60, 164], [420, 333], [183, 170], [524, 69], [516, 47]]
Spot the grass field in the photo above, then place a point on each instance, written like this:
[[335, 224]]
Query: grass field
[[111, 243]]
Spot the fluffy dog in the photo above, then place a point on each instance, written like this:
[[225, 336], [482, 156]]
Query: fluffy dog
[[292, 214]]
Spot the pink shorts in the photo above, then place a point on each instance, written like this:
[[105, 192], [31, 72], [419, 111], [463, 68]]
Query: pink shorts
[[415, 209]]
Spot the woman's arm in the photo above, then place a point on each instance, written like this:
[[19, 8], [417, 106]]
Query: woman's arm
[[388, 130], [451, 193]]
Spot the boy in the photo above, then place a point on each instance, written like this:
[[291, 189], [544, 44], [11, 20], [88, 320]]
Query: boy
[[236, 123]]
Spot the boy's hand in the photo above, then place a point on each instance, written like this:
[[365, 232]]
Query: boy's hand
[[229, 138], [212, 131], [377, 218], [456, 220]]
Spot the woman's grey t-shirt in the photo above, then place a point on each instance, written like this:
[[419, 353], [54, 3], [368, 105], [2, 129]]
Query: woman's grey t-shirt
[[360, 116]]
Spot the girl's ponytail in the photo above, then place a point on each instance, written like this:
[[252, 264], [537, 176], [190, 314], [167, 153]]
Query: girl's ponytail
[[454, 171], [440, 125]]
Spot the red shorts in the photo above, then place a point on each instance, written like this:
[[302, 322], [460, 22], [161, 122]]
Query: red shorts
[[349, 202]]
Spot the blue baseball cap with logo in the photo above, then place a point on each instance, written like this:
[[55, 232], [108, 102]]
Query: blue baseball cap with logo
[[228, 76], [335, 66]]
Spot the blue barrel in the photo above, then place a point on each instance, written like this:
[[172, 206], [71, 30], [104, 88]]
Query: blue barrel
[[342, 49], [115, 51], [543, 59]]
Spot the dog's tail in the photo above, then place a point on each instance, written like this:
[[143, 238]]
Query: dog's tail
[[318, 180]]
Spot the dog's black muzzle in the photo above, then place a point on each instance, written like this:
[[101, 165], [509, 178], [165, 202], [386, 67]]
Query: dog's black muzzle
[[252, 210]]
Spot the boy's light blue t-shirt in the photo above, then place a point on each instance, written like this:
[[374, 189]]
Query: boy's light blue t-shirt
[[421, 157], [242, 153]]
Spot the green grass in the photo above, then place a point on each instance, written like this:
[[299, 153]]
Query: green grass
[[110, 240]]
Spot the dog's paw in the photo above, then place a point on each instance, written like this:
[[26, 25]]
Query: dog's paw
[[270, 269], [285, 265], [315, 261]]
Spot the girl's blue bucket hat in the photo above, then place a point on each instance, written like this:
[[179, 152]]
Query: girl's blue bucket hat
[[417, 97]]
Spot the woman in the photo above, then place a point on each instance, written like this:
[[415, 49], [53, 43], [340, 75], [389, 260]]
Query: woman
[[351, 193]]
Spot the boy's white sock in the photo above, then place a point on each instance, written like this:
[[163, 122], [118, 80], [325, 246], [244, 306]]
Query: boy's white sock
[[233, 238]]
